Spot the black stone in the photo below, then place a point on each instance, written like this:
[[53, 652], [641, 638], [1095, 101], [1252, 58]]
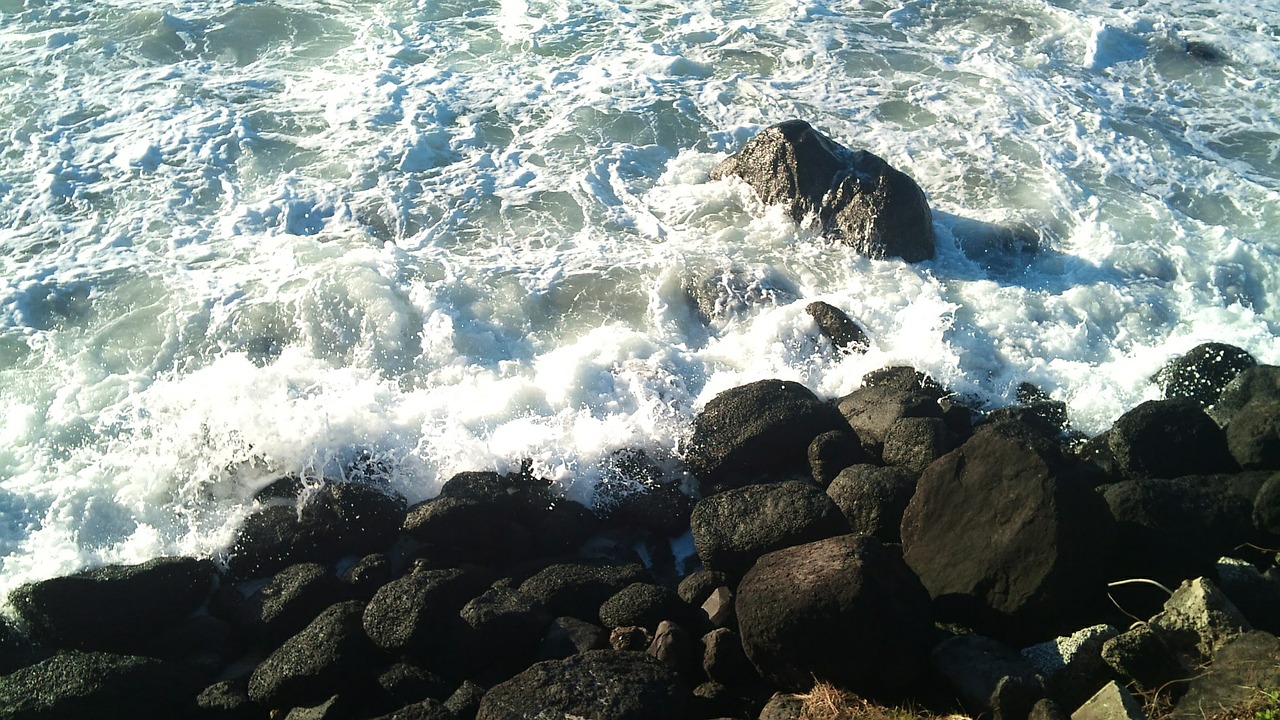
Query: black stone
[[327, 657], [873, 499], [833, 451], [858, 197], [1167, 439], [578, 589], [836, 326], [600, 684], [645, 605], [79, 685], [1203, 372], [1254, 434], [413, 614], [570, 636]]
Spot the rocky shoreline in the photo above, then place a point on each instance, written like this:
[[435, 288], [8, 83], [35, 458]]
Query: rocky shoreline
[[891, 543], [894, 543]]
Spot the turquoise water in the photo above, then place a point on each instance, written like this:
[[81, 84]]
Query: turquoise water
[[241, 239]]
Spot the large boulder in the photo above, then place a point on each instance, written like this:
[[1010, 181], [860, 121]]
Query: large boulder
[[97, 686], [857, 197], [732, 529], [502, 629], [873, 410], [494, 519], [1256, 382], [578, 589], [1203, 372], [1253, 436], [1241, 670], [1168, 438], [873, 499], [290, 600], [327, 657], [1172, 530], [1006, 538], [412, 613], [114, 608], [750, 431], [350, 518], [847, 610], [599, 684]]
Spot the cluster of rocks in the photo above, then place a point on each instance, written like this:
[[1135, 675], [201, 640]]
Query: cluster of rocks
[[893, 543]]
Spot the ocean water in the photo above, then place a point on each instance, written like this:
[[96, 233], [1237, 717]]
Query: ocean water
[[241, 239]]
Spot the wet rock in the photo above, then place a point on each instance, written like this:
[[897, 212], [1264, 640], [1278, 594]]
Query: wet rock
[[290, 600], [422, 710], [1260, 381], [201, 641], [493, 519], [115, 608], [821, 609], [340, 519], [873, 499], [402, 684], [636, 493], [1203, 372], [1253, 436], [1168, 439], [368, 574], [753, 430], [578, 589], [833, 451], [327, 657], [992, 679], [857, 197], [600, 684], [872, 410], [411, 613], [843, 332], [1005, 538], [733, 528], [79, 685], [464, 703]]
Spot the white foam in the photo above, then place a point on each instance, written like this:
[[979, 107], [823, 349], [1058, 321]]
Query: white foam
[[457, 235]]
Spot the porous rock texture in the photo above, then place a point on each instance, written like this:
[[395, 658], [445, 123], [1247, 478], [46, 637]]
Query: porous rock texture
[[845, 609], [857, 197], [1004, 537]]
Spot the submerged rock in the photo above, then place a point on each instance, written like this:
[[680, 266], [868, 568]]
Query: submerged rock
[[856, 196]]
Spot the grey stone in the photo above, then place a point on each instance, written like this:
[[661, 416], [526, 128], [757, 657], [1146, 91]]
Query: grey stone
[[915, 442], [719, 607], [1112, 702], [1072, 665], [1199, 616], [1168, 439]]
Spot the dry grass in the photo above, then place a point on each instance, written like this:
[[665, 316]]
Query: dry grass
[[827, 702]]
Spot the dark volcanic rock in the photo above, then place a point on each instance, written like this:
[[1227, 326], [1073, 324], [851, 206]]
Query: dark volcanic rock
[[636, 493], [422, 710], [288, 602], [402, 684], [1171, 530], [732, 529], [1240, 670], [646, 605], [857, 197], [1167, 439], [114, 608], [504, 628], [1141, 655], [837, 327], [227, 700], [341, 519], [1005, 539], [570, 636], [698, 586], [991, 678], [327, 657], [873, 499], [750, 431], [872, 410], [1256, 382], [1254, 434], [1203, 372], [724, 660], [601, 684], [578, 589], [821, 611], [915, 442], [97, 686], [413, 613], [833, 451]]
